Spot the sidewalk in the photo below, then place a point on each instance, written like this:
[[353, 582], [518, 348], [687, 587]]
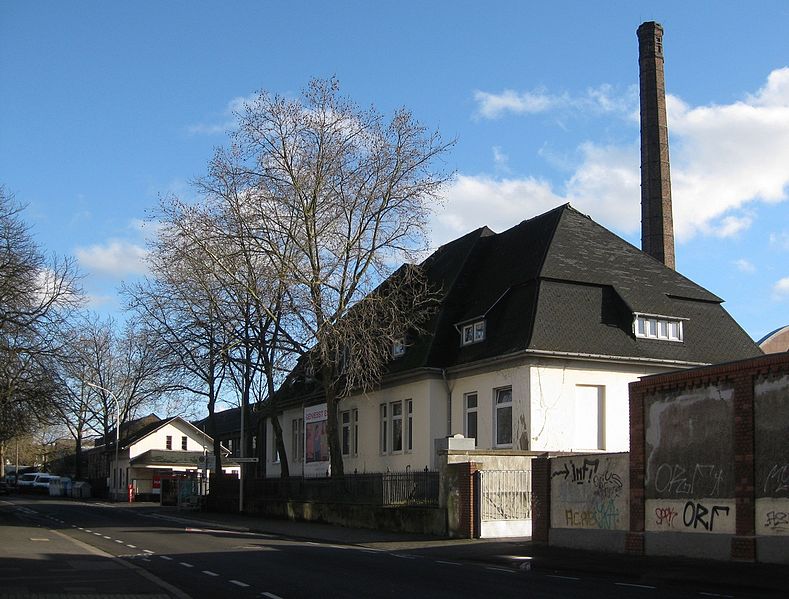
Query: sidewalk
[[516, 553]]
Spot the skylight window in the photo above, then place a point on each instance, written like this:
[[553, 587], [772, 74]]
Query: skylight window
[[664, 328], [473, 332]]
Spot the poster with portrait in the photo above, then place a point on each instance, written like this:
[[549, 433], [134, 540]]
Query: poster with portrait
[[316, 440]]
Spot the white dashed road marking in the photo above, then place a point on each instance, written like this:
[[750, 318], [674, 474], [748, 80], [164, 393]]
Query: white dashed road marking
[[271, 595], [638, 586], [186, 564], [238, 583], [167, 557], [562, 577], [209, 573]]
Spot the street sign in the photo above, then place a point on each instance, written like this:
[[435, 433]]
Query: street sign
[[244, 460]]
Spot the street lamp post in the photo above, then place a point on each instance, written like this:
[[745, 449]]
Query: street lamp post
[[114, 477]]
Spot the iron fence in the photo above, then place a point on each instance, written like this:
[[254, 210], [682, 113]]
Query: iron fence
[[505, 494], [412, 488]]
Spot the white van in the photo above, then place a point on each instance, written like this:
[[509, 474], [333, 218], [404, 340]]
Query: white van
[[43, 479]]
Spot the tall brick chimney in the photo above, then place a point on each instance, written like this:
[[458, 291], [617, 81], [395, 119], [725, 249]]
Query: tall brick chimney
[[657, 226]]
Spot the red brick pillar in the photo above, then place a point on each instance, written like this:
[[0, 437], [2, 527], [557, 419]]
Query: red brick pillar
[[540, 500], [743, 545], [634, 542], [464, 475]]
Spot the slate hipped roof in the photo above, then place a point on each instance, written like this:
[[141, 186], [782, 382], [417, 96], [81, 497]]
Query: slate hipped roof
[[563, 284]]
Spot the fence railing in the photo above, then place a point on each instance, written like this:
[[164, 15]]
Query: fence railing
[[417, 488], [505, 494]]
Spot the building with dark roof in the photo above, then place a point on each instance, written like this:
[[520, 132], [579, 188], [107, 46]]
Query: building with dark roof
[[539, 331], [150, 450]]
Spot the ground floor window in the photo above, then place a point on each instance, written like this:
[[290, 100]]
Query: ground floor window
[[274, 449], [349, 429], [503, 416], [409, 410], [470, 420], [397, 426]]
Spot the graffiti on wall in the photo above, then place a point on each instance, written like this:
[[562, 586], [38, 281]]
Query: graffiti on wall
[[692, 515], [772, 516], [697, 480], [776, 482], [590, 492]]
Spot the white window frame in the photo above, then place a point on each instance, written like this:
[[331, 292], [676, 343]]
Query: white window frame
[[468, 411], [656, 326], [398, 348], [390, 421], [409, 427], [346, 432], [500, 407], [473, 332], [384, 428], [355, 420], [396, 421], [168, 442]]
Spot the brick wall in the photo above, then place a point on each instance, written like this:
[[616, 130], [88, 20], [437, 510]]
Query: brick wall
[[541, 499], [739, 375], [464, 474]]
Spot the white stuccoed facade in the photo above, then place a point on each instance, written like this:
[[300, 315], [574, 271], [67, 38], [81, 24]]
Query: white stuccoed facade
[[558, 404]]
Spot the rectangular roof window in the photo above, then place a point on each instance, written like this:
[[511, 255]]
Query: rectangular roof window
[[665, 328]]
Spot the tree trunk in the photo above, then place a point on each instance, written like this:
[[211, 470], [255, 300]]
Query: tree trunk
[[332, 432], [78, 458], [283, 455]]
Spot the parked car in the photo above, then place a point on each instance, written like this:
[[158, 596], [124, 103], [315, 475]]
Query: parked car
[[26, 480]]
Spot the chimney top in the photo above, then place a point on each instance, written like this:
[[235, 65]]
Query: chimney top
[[657, 227]]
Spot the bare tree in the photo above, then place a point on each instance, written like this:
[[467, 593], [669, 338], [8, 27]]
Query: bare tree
[[180, 304], [38, 294], [330, 198], [206, 245]]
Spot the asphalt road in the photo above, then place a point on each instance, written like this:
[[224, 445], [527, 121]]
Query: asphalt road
[[183, 560]]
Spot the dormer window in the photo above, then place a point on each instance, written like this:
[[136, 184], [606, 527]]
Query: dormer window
[[398, 348], [652, 326], [473, 332]]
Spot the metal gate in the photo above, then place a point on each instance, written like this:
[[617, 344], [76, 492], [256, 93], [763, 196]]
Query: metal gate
[[503, 503]]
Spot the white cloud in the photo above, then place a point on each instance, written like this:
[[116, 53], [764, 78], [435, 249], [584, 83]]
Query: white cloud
[[602, 99], [473, 201], [725, 159], [744, 265], [603, 186], [500, 160], [225, 120], [115, 258], [780, 240], [781, 289]]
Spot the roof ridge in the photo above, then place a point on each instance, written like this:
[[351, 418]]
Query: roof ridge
[[537, 279]]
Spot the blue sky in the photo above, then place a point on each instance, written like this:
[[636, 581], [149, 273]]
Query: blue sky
[[105, 106]]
